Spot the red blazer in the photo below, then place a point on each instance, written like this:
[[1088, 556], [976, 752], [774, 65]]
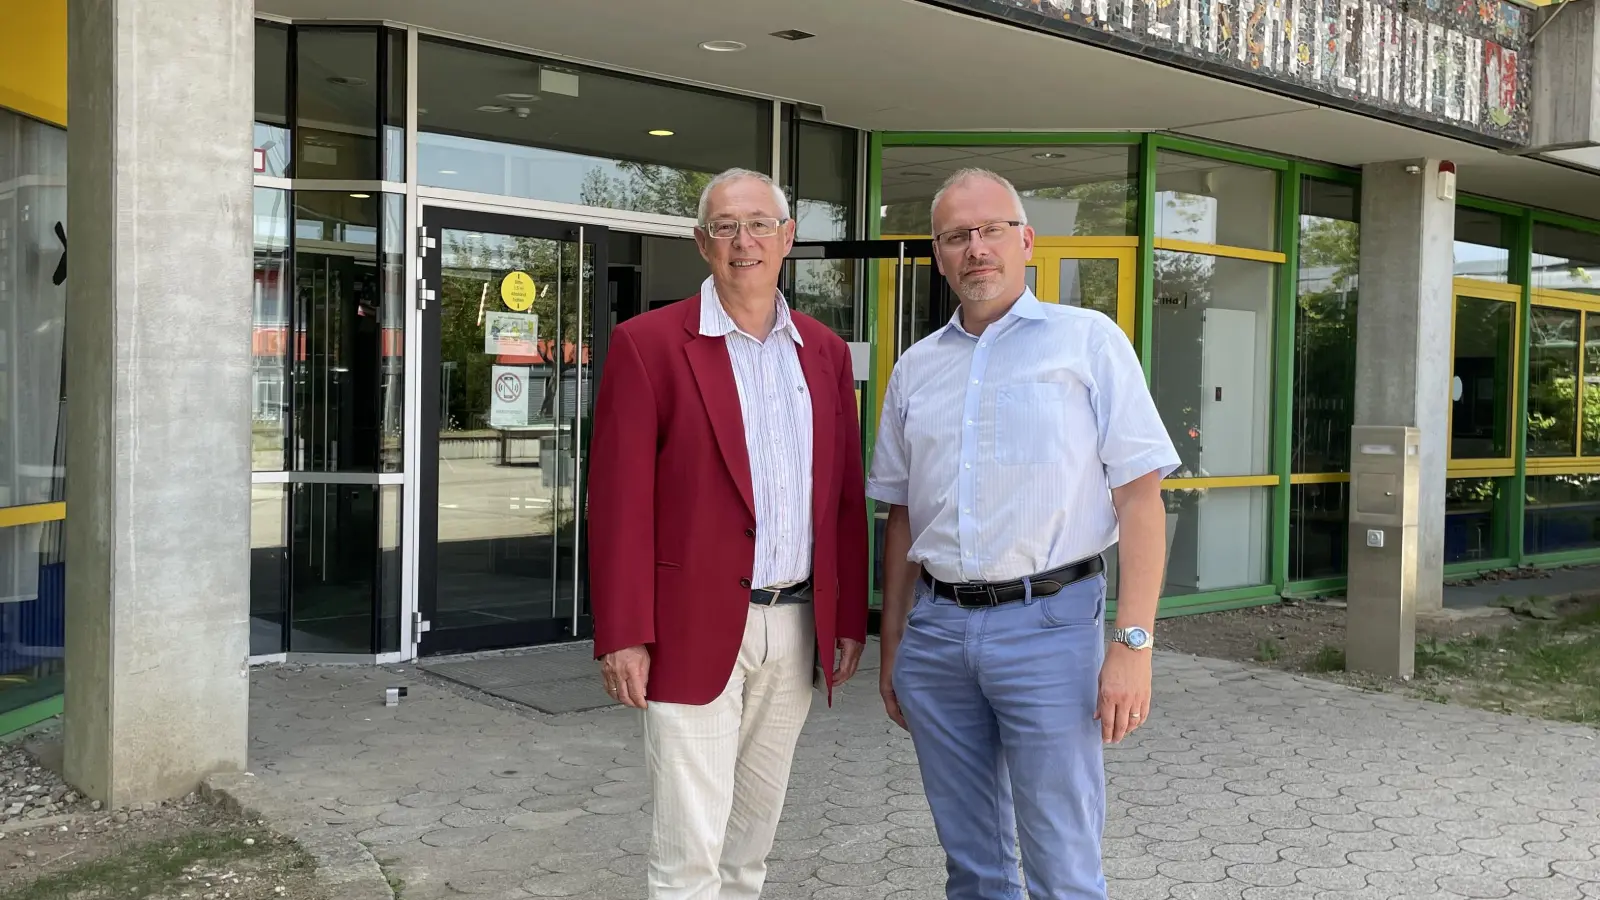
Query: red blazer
[[672, 512]]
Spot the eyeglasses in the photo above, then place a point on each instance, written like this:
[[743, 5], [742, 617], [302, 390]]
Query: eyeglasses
[[991, 232], [725, 229]]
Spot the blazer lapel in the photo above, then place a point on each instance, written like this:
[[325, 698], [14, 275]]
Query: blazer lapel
[[713, 371], [820, 384]]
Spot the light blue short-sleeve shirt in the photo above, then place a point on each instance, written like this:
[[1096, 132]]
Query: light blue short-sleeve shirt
[[1005, 446]]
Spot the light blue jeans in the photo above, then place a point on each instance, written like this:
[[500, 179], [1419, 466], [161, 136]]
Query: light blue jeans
[[1000, 702]]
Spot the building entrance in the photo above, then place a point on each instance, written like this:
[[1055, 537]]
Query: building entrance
[[516, 313]]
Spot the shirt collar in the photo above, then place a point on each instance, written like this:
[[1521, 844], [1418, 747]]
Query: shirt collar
[[715, 321], [1027, 307]]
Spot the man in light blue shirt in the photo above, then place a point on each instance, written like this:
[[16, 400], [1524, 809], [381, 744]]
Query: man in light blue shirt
[[1017, 444]]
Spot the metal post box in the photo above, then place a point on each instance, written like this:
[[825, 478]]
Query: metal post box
[[1381, 612]]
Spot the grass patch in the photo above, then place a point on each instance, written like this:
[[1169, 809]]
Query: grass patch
[[1544, 667], [1267, 650], [1328, 659], [160, 867]]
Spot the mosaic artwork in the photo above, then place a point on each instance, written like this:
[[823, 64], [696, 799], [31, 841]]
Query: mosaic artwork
[[1453, 63]]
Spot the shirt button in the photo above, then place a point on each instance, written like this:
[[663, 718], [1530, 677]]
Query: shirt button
[[969, 465]]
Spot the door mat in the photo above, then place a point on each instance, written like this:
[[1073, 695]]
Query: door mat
[[552, 680]]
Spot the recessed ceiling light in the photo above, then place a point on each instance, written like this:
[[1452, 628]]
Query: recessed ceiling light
[[448, 172], [519, 98], [361, 196], [490, 108], [793, 34], [346, 80], [722, 46], [661, 132], [1049, 155]]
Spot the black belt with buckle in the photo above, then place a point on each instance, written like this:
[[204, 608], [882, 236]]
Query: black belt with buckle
[[794, 593], [974, 595]]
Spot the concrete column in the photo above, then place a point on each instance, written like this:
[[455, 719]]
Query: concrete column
[[1566, 77], [160, 97], [1403, 350]]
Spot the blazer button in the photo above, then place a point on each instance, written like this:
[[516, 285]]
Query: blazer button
[[744, 582], [749, 532]]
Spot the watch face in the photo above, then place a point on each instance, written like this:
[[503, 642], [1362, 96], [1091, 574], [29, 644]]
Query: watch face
[[1138, 637]]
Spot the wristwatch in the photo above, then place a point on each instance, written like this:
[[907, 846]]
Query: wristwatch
[[1136, 638]]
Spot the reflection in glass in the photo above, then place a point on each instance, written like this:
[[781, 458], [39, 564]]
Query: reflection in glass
[[1066, 190], [272, 99], [1211, 360], [509, 401], [1482, 245], [1565, 259], [510, 124], [32, 613], [1319, 531], [33, 305], [825, 210], [1553, 382], [1591, 385], [1217, 538], [336, 103], [341, 396], [269, 340], [1470, 511], [390, 512], [392, 318], [269, 567], [1325, 328], [1089, 283], [1215, 202], [334, 559], [1480, 418], [394, 106], [1563, 513]]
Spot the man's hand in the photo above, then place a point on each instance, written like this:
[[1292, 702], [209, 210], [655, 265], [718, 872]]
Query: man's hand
[[891, 703], [849, 657], [625, 673], [1124, 692]]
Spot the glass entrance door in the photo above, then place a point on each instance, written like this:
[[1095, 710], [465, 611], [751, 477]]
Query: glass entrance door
[[509, 307]]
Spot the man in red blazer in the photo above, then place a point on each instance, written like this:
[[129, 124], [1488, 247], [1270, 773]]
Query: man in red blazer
[[727, 541]]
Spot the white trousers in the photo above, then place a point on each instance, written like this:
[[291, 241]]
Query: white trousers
[[719, 772]]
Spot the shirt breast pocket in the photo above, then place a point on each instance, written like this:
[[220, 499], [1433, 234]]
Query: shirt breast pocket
[[1030, 423]]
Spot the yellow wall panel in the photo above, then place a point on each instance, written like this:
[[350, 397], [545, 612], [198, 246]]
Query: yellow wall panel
[[33, 58]]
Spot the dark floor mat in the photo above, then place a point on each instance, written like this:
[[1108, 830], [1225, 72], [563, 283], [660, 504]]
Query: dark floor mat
[[551, 680]]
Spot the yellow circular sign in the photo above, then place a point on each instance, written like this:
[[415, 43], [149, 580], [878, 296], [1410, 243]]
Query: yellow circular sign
[[517, 291]]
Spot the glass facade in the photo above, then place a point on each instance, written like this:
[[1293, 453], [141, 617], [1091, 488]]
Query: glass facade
[[33, 211]]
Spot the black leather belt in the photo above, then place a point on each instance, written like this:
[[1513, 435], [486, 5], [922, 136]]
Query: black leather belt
[[794, 593], [973, 595]]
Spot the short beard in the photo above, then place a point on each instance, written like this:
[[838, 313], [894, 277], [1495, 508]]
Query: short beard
[[980, 291]]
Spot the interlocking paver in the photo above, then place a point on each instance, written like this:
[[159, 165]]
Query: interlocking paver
[[1245, 785]]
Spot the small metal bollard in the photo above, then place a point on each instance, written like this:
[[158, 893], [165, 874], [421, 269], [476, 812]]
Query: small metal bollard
[[391, 696]]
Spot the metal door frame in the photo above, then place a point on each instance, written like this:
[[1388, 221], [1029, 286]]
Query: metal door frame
[[593, 307]]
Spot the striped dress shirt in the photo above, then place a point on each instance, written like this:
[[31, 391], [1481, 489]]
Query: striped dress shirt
[[776, 408], [1004, 447]]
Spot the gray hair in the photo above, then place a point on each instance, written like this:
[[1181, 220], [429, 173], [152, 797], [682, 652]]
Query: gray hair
[[737, 175], [967, 174]]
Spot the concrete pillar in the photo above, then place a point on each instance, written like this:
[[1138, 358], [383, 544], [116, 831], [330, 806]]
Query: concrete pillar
[[160, 98], [1566, 77], [1403, 349]]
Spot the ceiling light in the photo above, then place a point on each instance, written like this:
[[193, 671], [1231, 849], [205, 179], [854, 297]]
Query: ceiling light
[[489, 108], [346, 80], [520, 98], [722, 46], [1049, 155], [793, 34], [361, 196], [448, 172], [661, 132]]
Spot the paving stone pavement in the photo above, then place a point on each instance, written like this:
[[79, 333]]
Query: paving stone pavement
[[1245, 784]]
